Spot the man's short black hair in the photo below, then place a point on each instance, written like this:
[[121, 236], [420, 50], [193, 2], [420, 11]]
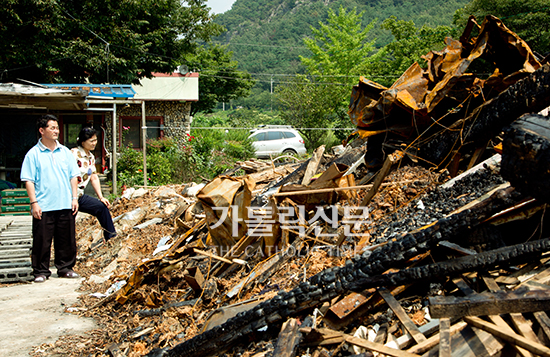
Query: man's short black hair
[[43, 121]]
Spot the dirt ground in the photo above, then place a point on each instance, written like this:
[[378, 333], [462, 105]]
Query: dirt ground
[[32, 314]]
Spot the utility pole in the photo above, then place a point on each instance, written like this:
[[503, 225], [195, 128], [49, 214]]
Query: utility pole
[[271, 96]]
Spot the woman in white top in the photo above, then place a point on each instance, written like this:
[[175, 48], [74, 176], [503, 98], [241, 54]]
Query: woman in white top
[[87, 141]]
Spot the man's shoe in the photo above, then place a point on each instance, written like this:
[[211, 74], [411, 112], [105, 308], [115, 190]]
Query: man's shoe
[[69, 274], [40, 278]]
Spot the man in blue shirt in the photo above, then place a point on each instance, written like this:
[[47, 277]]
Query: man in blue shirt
[[50, 175]]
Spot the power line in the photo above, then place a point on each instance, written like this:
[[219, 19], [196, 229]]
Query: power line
[[259, 45], [234, 128]]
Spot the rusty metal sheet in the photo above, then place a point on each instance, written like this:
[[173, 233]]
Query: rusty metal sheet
[[419, 96], [351, 302], [331, 178], [218, 199]]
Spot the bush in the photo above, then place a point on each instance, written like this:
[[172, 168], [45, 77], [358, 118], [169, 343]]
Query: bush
[[206, 154]]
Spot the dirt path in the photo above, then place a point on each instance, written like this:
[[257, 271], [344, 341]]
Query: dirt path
[[32, 314]]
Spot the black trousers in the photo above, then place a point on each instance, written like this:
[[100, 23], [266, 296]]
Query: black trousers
[[58, 226], [96, 208]]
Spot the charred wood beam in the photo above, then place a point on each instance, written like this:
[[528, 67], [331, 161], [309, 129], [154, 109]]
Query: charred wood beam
[[531, 94], [523, 252], [333, 282], [526, 155]]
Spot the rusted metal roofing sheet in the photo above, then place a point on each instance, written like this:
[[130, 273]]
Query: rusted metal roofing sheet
[[421, 96]]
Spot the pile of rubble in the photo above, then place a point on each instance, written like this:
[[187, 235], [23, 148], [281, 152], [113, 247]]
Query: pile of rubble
[[440, 248]]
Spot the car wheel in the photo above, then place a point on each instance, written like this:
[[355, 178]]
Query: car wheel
[[288, 155]]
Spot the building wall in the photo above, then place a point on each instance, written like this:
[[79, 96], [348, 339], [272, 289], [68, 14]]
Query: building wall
[[177, 118]]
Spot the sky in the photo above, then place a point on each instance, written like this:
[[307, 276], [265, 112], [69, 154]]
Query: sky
[[219, 6]]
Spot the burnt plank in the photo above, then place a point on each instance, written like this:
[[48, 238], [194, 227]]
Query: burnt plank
[[434, 340], [444, 337], [288, 340], [498, 320], [470, 342], [513, 338], [463, 286], [544, 322], [496, 303], [402, 315]]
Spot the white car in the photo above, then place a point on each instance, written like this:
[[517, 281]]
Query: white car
[[276, 140]]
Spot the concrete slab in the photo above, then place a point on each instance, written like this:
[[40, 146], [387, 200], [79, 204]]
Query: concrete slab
[[34, 313]]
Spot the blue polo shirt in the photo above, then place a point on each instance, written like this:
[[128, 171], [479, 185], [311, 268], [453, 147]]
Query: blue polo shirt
[[51, 172]]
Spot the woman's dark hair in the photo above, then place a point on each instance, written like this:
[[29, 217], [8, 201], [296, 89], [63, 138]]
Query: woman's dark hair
[[85, 134]]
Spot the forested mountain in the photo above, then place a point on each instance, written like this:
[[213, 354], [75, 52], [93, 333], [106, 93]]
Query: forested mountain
[[266, 36]]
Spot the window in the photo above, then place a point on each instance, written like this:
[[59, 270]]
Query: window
[[258, 137], [288, 134], [70, 134], [130, 130], [274, 135]]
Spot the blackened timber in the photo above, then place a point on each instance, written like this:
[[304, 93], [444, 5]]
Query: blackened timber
[[336, 281], [531, 94], [526, 155], [523, 252]]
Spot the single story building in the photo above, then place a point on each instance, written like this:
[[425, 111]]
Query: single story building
[[162, 102]]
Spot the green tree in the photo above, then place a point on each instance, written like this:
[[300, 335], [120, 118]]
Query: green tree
[[409, 45], [309, 103], [339, 48], [103, 41], [529, 19], [340, 52], [267, 35], [220, 80]]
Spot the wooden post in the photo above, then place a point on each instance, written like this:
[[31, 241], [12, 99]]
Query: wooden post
[[390, 160]]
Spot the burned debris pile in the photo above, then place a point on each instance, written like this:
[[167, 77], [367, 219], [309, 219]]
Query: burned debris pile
[[426, 236]]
